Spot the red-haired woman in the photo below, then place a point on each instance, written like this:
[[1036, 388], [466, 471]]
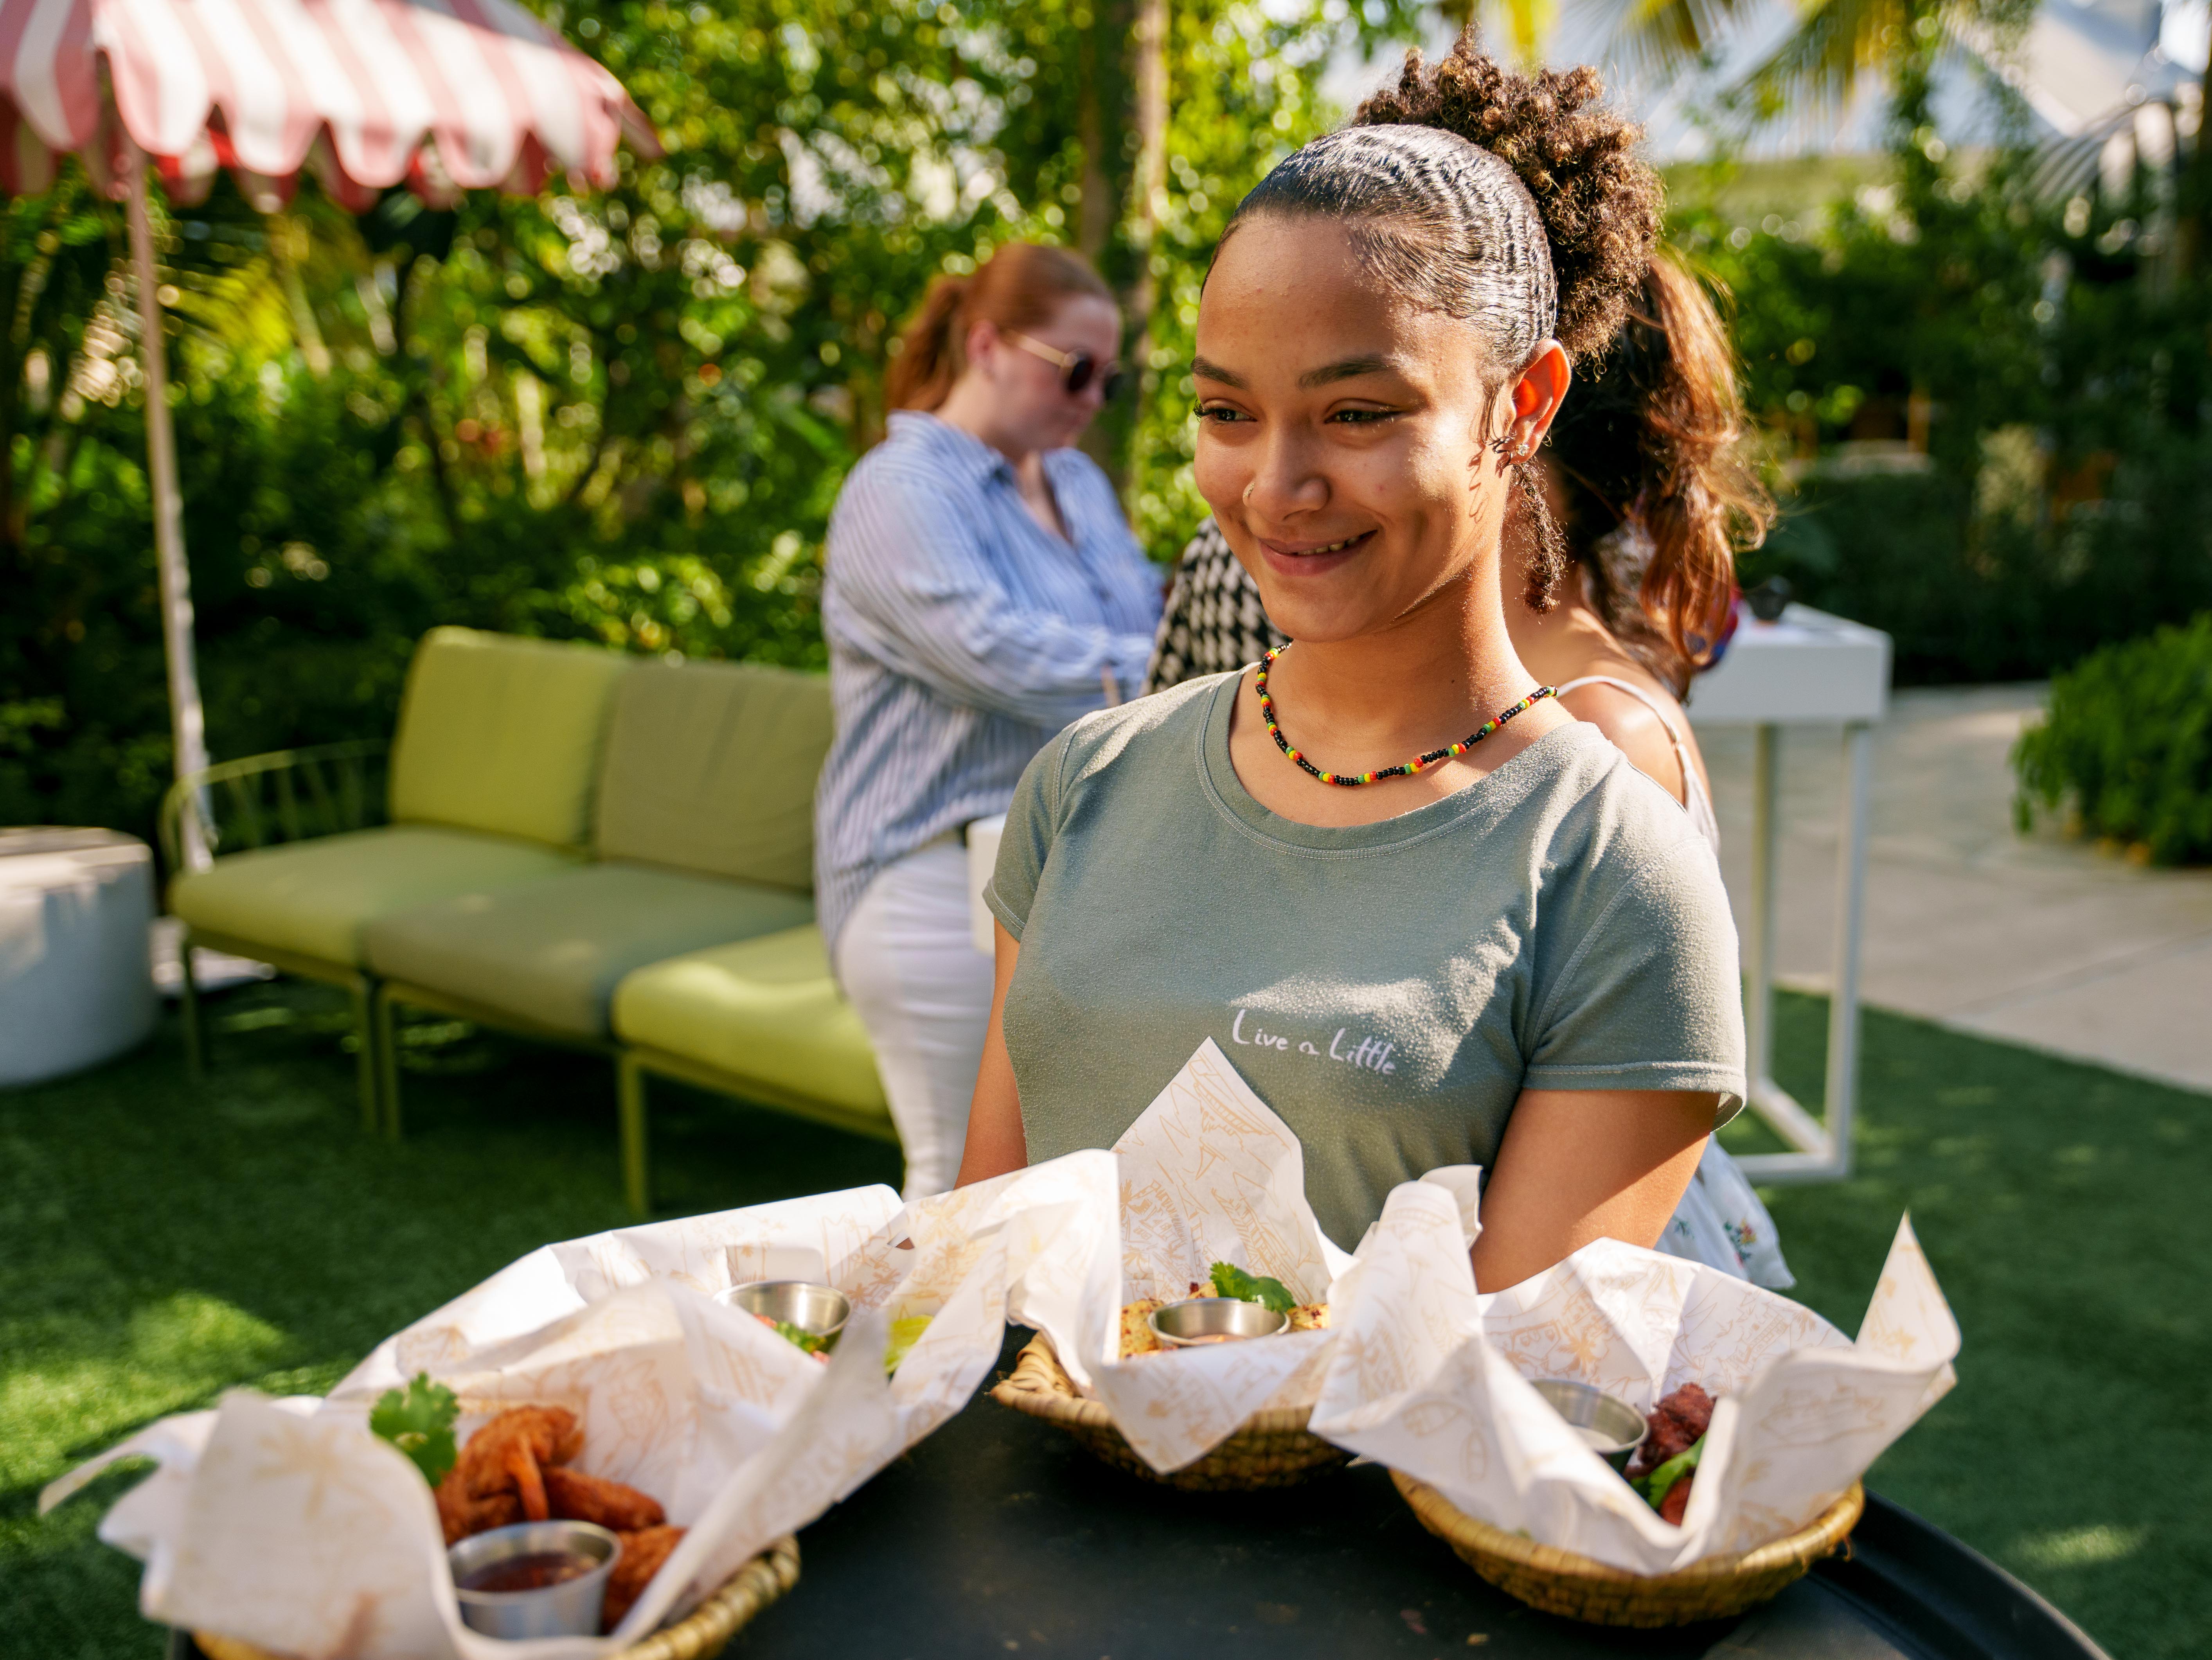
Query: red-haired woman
[[981, 591]]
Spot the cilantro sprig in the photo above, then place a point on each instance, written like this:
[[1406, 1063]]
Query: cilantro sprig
[[1229, 1281], [420, 1423], [805, 1340]]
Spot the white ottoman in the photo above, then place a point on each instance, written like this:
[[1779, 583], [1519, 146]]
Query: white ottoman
[[75, 983]]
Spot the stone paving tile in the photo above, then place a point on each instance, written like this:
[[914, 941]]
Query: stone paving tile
[[2034, 940]]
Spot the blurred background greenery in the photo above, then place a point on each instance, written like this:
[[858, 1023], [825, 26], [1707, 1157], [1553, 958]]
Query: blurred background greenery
[[625, 415]]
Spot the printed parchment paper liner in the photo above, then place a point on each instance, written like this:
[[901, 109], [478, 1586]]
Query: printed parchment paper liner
[[1207, 1174], [288, 1525], [1430, 1378]]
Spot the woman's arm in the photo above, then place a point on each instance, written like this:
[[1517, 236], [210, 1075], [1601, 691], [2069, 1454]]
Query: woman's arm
[[1577, 1165], [911, 582], [995, 1142]]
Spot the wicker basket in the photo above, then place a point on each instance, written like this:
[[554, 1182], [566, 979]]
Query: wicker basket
[[1576, 1588], [1271, 1449], [699, 1636]]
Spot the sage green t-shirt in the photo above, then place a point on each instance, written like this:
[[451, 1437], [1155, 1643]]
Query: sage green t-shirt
[[1389, 988]]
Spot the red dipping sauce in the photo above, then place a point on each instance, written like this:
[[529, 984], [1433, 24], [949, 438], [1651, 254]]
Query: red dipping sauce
[[533, 1571]]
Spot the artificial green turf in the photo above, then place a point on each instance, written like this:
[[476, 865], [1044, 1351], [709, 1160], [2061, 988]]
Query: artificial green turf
[[160, 1242]]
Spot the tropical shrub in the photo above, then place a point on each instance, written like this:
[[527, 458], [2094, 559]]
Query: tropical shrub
[[2127, 747]]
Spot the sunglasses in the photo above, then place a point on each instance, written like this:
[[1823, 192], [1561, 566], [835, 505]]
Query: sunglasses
[[1077, 369]]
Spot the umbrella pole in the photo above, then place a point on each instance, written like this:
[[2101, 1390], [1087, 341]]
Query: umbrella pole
[[188, 724]]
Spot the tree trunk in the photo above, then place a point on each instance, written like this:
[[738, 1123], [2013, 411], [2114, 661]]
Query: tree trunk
[[2192, 176], [1149, 42], [1095, 213]]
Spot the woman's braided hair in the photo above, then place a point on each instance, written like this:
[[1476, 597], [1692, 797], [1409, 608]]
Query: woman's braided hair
[[1600, 204], [1513, 202]]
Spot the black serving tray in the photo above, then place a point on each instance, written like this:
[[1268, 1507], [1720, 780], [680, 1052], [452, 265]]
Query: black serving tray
[[998, 1538]]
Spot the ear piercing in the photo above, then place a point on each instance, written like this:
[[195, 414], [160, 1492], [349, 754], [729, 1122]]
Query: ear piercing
[[1516, 451]]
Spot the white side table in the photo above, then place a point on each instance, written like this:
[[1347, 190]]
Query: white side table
[[76, 985], [1806, 668]]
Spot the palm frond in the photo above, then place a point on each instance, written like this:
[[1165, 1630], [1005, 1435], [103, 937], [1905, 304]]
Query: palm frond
[[1659, 40], [1528, 24], [1817, 69]]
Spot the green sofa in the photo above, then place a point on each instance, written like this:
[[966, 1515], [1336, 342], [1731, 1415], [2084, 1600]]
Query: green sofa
[[609, 854]]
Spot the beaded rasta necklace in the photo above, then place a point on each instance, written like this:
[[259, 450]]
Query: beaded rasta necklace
[[1403, 769]]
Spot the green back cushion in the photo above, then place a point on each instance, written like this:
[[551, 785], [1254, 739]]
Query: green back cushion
[[710, 767], [502, 734]]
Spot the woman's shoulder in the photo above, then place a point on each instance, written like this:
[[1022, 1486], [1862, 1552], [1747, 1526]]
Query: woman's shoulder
[[1070, 465], [919, 451], [1130, 737], [1605, 816], [1124, 750]]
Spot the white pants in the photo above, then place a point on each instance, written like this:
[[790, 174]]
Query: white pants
[[913, 974]]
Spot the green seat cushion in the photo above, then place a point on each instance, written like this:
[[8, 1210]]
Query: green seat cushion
[[313, 898], [550, 952], [710, 767], [766, 1009], [502, 734]]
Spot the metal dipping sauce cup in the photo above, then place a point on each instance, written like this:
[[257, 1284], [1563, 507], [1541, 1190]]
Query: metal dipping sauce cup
[[570, 1608], [1212, 1320], [1613, 1428], [818, 1310]]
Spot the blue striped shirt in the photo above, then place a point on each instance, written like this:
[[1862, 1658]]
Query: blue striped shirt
[[962, 637]]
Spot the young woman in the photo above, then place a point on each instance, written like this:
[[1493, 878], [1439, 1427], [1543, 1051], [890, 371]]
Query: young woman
[[981, 591], [1430, 916], [1645, 469]]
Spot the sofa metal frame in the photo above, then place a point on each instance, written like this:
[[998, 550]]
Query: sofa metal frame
[[634, 1061], [284, 795]]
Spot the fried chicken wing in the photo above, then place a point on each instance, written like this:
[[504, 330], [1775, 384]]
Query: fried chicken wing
[[643, 1554], [461, 1515], [1677, 1500], [1675, 1424], [510, 1453], [577, 1497]]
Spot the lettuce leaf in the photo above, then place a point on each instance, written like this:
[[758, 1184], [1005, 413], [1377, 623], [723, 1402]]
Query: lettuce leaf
[[1655, 1486]]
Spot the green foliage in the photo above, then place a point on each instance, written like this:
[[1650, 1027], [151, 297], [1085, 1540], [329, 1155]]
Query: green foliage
[[2128, 743], [420, 1423], [2045, 358], [621, 416]]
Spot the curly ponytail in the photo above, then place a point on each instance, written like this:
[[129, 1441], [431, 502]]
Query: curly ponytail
[[1018, 288], [1659, 493], [926, 365], [1600, 206]]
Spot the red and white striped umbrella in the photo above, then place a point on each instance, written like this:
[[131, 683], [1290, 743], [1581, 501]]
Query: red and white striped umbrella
[[445, 93], [356, 87]]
